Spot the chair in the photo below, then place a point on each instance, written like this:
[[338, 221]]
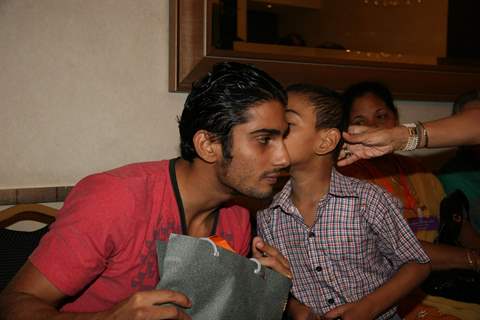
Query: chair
[[16, 246]]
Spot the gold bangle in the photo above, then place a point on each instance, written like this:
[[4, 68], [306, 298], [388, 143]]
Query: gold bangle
[[423, 135], [412, 142]]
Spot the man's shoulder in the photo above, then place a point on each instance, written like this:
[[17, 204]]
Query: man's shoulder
[[129, 182], [140, 169]]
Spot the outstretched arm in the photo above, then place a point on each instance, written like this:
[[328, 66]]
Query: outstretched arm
[[31, 296], [364, 143]]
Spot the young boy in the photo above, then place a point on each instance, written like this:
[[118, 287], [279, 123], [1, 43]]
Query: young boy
[[351, 252]]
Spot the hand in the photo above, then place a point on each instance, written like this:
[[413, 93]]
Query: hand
[[298, 311], [270, 257], [364, 143], [351, 311], [148, 305]]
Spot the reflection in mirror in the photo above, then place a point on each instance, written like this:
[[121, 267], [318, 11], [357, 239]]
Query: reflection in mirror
[[427, 32]]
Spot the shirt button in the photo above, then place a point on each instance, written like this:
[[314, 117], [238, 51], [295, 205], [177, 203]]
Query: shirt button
[[311, 234], [331, 301], [318, 268]]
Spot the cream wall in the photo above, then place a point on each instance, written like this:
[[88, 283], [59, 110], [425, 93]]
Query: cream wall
[[83, 88]]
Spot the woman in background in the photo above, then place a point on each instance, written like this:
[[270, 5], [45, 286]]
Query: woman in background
[[371, 104]]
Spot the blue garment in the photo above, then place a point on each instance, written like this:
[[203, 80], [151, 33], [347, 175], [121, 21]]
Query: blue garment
[[463, 172]]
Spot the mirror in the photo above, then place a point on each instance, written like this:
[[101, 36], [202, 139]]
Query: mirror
[[416, 47]]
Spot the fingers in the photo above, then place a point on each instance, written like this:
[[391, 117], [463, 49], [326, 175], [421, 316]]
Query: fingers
[[154, 304], [335, 313], [270, 257], [358, 129], [165, 296], [348, 160], [170, 312]]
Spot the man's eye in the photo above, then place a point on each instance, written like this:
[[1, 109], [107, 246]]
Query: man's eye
[[264, 140]]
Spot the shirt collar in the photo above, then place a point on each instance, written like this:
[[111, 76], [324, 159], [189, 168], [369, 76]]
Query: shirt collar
[[340, 186]]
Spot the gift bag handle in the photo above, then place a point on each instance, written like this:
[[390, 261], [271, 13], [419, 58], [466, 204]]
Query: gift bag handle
[[259, 266], [216, 253]]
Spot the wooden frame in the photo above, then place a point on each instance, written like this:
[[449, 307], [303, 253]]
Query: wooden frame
[[36, 212], [192, 56]]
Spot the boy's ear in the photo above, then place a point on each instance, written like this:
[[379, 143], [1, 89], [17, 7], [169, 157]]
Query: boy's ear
[[207, 147], [327, 141]]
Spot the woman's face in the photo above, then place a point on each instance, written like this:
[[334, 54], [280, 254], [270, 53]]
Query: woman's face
[[369, 110]]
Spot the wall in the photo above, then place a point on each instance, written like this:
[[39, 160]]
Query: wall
[[83, 87]]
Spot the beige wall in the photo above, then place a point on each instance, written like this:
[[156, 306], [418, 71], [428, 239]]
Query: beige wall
[[83, 88]]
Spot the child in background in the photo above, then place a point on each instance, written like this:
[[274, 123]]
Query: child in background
[[351, 252]]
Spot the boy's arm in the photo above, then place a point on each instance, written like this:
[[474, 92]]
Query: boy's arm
[[298, 311], [409, 276]]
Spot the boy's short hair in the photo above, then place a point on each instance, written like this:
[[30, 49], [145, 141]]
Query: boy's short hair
[[328, 104], [220, 101]]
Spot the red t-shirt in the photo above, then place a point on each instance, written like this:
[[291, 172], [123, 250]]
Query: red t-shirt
[[101, 249]]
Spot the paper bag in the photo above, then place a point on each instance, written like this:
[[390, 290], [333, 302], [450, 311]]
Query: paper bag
[[221, 284]]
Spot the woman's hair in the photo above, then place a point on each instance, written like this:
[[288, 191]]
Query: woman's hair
[[361, 89], [462, 100], [220, 101]]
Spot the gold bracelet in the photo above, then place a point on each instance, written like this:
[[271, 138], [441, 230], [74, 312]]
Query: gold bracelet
[[423, 135], [412, 142]]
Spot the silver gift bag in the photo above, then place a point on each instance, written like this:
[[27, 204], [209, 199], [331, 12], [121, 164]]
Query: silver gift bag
[[221, 284]]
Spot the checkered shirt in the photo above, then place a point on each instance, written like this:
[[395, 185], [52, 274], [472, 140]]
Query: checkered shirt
[[357, 243]]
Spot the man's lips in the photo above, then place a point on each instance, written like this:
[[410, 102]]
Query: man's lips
[[272, 177]]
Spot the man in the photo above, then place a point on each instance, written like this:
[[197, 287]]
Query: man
[[98, 260]]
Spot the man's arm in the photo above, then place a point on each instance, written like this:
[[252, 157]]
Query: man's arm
[[30, 296], [409, 276]]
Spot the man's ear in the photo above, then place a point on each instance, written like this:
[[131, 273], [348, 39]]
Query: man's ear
[[327, 141], [207, 147]]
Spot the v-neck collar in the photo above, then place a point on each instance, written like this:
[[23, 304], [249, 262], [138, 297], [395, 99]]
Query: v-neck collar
[[178, 198]]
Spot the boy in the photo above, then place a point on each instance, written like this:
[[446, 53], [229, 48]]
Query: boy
[[351, 252]]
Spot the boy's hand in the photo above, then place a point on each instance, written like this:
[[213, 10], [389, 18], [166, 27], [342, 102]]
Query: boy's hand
[[351, 311], [270, 257], [298, 311]]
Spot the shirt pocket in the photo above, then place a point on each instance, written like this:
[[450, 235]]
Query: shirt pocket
[[351, 244]]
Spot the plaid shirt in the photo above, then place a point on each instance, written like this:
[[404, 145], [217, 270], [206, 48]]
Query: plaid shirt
[[357, 243]]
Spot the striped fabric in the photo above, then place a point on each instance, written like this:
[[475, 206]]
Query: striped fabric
[[357, 243]]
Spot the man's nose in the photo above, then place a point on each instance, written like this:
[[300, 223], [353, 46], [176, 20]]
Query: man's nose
[[282, 159]]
